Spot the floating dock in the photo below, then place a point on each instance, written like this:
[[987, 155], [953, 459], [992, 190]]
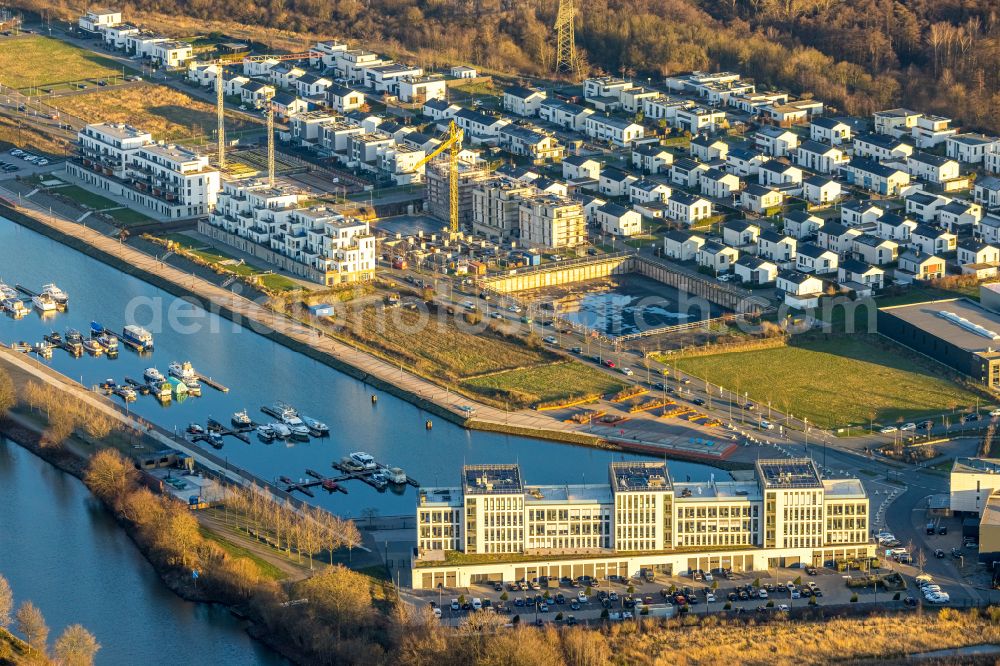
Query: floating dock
[[208, 381], [215, 426]]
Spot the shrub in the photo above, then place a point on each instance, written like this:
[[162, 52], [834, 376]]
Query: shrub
[[728, 606], [854, 598], [770, 603], [895, 597], [797, 581]]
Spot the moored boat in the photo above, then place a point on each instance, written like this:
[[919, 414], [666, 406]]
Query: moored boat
[[241, 419], [152, 375], [43, 349], [265, 432], [93, 347], [280, 430], [317, 428], [137, 337], [60, 297], [44, 302], [14, 305]]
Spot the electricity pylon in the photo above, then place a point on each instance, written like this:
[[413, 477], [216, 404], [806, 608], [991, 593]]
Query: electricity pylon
[[566, 62]]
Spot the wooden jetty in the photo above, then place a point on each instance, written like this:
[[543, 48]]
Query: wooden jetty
[[141, 388], [215, 426], [208, 381], [330, 484]]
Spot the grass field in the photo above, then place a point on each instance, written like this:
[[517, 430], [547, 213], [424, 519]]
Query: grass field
[[164, 112], [128, 216], [273, 281], [43, 61], [267, 570], [835, 382], [545, 382], [84, 197]]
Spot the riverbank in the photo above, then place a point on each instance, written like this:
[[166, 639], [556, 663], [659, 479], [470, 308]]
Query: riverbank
[[377, 373]]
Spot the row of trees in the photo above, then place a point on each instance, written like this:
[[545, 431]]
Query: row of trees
[[75, 646], [305, 531], [66, 414]]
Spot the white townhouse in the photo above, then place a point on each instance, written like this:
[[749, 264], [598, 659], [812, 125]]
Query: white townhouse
[[604, 86], [256, 94], [717, 257], [972, 251], [777, 247], [811, 258], [312, 85], [98, 20], [696, 119], [989, 229], [568, 116], [618, 220], [419, 89], [778, 173], [776, 141], [681, 245], [932, 240], [116, 36], [960, 216], [613, 130], [875, 250], [523, 100], [476, 124], [686, 172], [719, 184], [323, 55], [857, 213], [860, 277], [172, 54], [663, 107], [932, 168], [924, 206], [894, 227], [799, 290], [386, 77], [896, 122], [652, 158], [820, 190], [741, 234], [688, 208], [819, 157], [830, 130], [343, 99], [799, 224], [874, 177], [576, 167], [614, 182], [931, 130], [463, 72], [836, 237], [759, 199], [756, 271], [742, 162], [986, 192], [970, 148], [881, 147], [707, 148], [633, 99], [647, 191]]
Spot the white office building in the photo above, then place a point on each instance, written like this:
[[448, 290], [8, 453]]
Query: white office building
[[640, 519]]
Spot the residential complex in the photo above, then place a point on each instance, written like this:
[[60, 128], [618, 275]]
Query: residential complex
[[277, 224], [122, 160], [496, 527]]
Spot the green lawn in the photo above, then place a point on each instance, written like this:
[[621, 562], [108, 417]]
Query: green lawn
[[836, 382], [85, 197], [545, 383], [128, 216], [267, 570], [43, 61], [273, 281]]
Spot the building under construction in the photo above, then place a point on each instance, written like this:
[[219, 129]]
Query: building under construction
[[436, 180]]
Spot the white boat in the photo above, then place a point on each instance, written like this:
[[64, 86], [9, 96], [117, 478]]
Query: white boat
[[241, 419], [6, 291], [138, 337], [363, 460], [394, 475], [299, 429], [109, 341], [316, 427], [153, 376], [265, 432], [57, 294], [182, 371], [14, 305], [44, 302], [280, 430]]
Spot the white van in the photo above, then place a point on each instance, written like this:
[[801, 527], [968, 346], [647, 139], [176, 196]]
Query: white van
[[477, 603]]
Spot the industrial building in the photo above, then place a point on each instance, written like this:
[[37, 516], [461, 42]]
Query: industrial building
[[972, 482], [957, 332], [496, 527]]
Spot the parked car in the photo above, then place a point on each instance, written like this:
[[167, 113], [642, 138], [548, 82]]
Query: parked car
[[766, 425], [968, 418], [886, 430], [698, 401], [939, 553], [609, 363], [942, 530], [906, 427], [627, 372]]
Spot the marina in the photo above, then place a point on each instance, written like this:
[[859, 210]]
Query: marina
[[390, 429], [358, 466]]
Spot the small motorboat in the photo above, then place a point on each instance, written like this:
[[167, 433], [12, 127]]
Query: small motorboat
[[378, 480], [7, 291], [153, 376], [162, 391], [215, 439], [265, 432], [53, 338], [44, 302], [43, 349], [74, 336], [317, 428], [394, 475], [93, 347], [280, 430], [125, 392], [182, 371], [15, 306], [60, 297], [195, 429], [241, 419]]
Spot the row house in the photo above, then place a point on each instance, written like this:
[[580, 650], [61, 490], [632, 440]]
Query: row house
[[717, 257], [681, 245], [932, 240], [836, 237], [820, 157], [686, 172], [777, 247], [820, 190], [815, 259], [523, 100], [759, 199], [614, 182], [894, 227], [860, 277], [858, 213], [539, 146], [932, 168], [743, 162], [652, 158], [970, 148], [578, 167], [830, 130], [719, 184], [799, 224], [688, 208], [924, 206], [986, 192], [874, 250], [647, 191], [960, 216], [776, 141], [881, 147], [572, 117], [616, 131], [874, 177], [740, 233], [756, 271], [707, 149], [778, 173]]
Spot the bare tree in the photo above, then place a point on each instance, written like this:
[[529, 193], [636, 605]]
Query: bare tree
[[76, 646], [6, 602], [31, 624], [8, 395], [110, 475]]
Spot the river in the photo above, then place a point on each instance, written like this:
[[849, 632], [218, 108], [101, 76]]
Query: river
[[260, 372], [60, 549]]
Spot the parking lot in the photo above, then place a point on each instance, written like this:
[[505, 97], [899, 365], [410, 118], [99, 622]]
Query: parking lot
[[664, 596]]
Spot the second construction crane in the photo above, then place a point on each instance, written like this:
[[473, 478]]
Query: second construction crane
[[453, 144]]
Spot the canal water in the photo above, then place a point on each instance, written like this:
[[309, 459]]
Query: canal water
[[260, 372], [60, 549]]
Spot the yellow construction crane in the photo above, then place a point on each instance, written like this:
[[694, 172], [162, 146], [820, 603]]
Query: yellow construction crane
[[453, 144]]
